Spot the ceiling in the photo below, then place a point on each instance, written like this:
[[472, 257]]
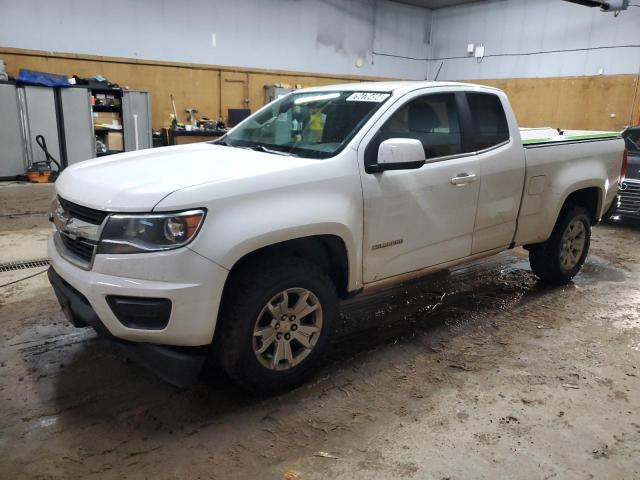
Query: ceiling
[[435, 3]]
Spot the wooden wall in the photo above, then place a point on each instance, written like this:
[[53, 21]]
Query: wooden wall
[[581, 103], [210, 89], [566, 102]]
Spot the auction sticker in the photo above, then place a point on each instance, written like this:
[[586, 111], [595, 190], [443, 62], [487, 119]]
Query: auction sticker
[[367, 97]]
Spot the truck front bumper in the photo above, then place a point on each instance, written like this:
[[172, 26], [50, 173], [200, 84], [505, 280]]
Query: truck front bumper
[[190, 284], [179, 367]]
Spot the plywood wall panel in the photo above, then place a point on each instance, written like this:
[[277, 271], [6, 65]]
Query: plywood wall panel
[[574, 102], [565, 102], [210, 89], [191, 87]]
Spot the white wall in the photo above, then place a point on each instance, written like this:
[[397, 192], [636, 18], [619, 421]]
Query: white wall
[[524, 27], [320, 36], [329, 36]]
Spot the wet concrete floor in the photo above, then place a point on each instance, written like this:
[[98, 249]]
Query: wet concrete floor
[[477, 372]]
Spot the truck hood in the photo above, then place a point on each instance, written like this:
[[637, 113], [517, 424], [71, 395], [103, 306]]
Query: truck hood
[[137, 181]]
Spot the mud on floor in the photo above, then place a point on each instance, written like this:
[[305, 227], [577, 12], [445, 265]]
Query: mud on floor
[[478, 372]]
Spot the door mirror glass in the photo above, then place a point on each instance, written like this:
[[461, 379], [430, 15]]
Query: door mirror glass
[[400, 154]]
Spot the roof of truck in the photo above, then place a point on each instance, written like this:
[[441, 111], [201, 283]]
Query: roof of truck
[[388, 86]]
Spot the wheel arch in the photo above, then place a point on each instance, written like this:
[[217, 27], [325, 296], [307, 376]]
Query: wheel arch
[[328, 251], [591, 198], [587, 195]]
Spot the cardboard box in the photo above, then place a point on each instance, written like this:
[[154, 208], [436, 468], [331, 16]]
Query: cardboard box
[[106, 118], [106, 115], [114, 141]]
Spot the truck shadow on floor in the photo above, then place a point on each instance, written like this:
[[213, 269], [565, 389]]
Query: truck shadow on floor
[[98, 385], [623, 223]]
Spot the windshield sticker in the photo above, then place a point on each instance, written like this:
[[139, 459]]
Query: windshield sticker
[[367, 97]]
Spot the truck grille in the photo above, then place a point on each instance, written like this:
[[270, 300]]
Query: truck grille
[[85, 214], [630, 198], [79, 248]]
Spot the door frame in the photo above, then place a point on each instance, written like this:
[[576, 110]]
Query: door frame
[[464, 117], [465, 124]]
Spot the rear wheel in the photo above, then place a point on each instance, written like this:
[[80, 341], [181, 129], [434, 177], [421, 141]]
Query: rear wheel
[[276, 324], [560, 259]]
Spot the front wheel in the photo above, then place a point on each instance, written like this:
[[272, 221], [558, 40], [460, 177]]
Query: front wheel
[[562, 256], [276, 324]]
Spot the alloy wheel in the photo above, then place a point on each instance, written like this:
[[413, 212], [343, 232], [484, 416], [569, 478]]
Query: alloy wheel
[[287, 329], [572, 244]]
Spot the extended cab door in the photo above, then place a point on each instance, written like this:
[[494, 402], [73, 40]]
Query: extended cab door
[[501, 162], [422, 217]]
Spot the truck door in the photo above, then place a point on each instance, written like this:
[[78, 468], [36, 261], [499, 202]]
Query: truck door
[[501, 168], [418, 218]]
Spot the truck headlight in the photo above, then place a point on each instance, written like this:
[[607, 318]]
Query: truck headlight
[[149, 232]]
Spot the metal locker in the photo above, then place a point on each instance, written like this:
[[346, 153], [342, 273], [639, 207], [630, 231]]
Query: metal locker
[[136, 120], [39, 109], [79, 137], [13, 159]]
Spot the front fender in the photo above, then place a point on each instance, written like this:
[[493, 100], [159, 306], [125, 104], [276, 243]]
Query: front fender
[[322, 198]]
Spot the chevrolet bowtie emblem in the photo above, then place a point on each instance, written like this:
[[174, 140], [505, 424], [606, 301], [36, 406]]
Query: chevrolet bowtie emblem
[[73, 227]]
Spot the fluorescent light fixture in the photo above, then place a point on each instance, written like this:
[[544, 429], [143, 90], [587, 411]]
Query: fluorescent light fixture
[[317, 98]]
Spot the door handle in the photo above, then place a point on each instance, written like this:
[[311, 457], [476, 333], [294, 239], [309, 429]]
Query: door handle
[[463, 179]]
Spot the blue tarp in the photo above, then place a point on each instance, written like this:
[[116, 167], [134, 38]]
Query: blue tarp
[[32, 77]]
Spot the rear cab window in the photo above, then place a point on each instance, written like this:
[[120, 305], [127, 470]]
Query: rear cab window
[[488, 119]]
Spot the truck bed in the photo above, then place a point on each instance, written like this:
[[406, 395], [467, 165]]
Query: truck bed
[[558, 164], [535, 137]]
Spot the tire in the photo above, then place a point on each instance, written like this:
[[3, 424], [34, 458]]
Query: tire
[[245, 313], [549, 261]]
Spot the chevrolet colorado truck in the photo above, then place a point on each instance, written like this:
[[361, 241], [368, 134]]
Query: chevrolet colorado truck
[[238, 251]]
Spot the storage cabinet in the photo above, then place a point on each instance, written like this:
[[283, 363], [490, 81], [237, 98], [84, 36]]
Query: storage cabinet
[[78, 133], [38, 105], [107, 121], [129, 109], [70, 123], [12, 151], [136, 120]]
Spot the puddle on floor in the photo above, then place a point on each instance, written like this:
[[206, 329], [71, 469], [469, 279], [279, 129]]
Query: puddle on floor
[[468, 293], [449, 300], [595, 269]]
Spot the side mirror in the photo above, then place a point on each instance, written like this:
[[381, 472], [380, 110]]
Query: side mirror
[[399, 154]]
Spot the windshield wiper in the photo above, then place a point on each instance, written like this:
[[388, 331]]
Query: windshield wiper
[[261, 148]]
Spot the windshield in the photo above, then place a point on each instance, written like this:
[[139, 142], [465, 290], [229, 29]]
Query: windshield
[[311, 125]]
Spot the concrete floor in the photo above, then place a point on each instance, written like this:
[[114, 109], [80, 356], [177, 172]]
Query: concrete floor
[[479, 372]]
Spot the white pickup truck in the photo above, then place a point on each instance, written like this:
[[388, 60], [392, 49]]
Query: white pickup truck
[[239, 250]]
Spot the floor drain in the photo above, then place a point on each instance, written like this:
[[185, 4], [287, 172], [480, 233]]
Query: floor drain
[[24, 265]]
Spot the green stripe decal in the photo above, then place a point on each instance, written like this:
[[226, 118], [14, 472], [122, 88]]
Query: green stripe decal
[[569, 138]]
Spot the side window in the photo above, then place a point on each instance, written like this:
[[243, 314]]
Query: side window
[[490, 127], [432, 119]]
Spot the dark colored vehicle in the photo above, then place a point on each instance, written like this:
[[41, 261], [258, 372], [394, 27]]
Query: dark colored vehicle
[[629, 197]]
